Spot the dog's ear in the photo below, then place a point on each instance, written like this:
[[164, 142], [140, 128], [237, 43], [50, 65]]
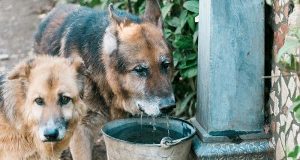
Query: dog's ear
[[22, 70], [116, 17], [152, 13], [77, 63]]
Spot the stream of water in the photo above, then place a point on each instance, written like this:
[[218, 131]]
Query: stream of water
[[168, 125]]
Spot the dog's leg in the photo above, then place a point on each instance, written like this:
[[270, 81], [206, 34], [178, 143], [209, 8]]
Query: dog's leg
[[81, 145]]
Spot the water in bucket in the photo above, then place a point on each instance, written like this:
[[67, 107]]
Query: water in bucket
[[145, 134]]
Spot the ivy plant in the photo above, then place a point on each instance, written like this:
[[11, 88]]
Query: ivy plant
[[288, 58]]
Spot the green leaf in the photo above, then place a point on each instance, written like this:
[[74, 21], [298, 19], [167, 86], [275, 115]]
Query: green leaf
[[141, 6], [296, 101], [183, 19], [294, 32], [176, 57], [192, 6], [297, 113], [174, 22], [166, 9], [191, 56], [191, 22], [86, 1], [190, 72], [296, 108], [294, 153], [195, 36], [289, 44], [183, 42], [184, 66], [188, 61], [290, 63], [167, 33], [294, 64]]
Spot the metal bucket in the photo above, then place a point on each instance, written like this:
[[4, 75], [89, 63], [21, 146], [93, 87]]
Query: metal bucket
[[118, 147]]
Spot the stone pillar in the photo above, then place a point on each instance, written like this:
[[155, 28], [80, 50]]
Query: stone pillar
[[230, 87]]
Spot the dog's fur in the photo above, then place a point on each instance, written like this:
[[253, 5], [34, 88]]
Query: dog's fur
[[128, 60], [23, 121]]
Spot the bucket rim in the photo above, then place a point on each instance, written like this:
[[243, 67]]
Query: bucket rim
[[151, 145]]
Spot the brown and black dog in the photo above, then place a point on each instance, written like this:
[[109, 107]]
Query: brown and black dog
[[40, 107], [128, 60]]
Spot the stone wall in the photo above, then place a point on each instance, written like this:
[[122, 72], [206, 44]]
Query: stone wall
[[286, 131]]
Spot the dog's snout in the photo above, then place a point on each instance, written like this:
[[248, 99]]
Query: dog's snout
[[167, 104], [51, 134], [52, 130]]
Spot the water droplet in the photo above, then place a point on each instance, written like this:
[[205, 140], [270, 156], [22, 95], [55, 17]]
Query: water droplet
[[168, 125], [141, 124], [153, 124]]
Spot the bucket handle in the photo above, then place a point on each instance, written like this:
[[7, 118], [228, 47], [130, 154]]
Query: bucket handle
[[167, 142]]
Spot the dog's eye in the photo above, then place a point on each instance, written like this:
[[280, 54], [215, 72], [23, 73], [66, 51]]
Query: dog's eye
[[63, 100], [39, 101], [165, 65], [141, 70]]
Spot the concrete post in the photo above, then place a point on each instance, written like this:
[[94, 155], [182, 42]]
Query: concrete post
[[230, 70]]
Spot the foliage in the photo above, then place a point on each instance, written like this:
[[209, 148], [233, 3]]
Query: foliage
[[296, 108], [287, 55], [181, 32], [294, 154], [288, 61]]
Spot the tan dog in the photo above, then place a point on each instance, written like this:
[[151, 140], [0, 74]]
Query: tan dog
[[41, 104]]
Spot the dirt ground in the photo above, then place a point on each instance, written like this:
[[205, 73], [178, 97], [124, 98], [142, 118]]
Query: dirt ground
[[18, 22]]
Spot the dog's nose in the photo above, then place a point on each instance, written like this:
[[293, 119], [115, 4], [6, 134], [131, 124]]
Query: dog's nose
[[51, 134], [167, 104]]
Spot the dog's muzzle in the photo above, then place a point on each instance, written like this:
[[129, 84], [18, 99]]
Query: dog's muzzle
[[157, 106], [52, 132], [166, 105]]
